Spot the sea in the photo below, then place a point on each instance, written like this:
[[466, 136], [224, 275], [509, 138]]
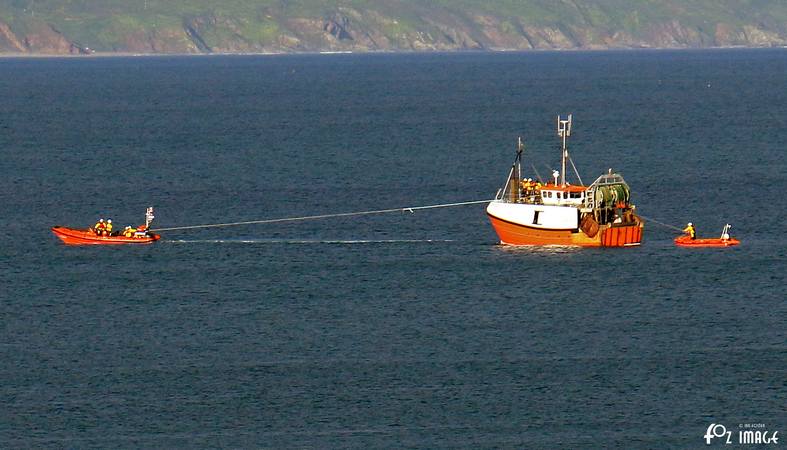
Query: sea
[[396, 330]]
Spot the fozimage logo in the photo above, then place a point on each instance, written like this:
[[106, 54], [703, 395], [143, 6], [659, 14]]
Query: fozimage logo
[[717, 430], [748, 433]]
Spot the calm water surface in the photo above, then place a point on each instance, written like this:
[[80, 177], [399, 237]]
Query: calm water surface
[[399, 330]]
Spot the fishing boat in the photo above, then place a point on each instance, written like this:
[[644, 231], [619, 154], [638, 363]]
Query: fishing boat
[[556, 212], [89, 236], [723, 241]]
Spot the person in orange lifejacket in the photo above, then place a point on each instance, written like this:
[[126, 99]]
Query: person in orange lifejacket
[[527, 186], [99, 227], [690, 230]]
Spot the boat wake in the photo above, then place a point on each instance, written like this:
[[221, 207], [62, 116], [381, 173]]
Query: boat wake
[[539, 249]]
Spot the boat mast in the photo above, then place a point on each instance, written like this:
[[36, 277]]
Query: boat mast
[[520, 147], [564, 131], [149, 217], [512, 188]]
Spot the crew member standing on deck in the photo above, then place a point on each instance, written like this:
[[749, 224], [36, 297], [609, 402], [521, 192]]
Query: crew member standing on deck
[[108, 229], [690, 230]]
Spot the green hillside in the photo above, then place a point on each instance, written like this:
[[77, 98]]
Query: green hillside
[[208, 26]]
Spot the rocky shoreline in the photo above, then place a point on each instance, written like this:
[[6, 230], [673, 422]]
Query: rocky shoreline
[[354, 30], [381, 52]]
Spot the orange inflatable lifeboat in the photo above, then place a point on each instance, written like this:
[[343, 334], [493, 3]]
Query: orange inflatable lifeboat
[[724, 241], [140, 235], [73, 236]]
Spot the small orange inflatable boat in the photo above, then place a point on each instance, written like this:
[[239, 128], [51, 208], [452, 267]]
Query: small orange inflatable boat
[[724, 241], [73, 236], [141, 235], [687, 241]]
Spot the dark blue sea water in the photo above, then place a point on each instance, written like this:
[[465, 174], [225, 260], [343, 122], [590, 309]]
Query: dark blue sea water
[[398, 330]]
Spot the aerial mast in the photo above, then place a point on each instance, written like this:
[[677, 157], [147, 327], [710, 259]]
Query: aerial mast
[[564, 131], [520, 147]]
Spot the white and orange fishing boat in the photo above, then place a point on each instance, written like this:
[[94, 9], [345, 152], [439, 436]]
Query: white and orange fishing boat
[[556, 212]]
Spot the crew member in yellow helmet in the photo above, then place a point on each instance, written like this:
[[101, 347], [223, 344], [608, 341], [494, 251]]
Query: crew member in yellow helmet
[[98, 228], [690, 230]]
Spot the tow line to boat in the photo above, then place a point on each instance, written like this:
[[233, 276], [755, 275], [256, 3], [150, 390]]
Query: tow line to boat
[[409, 209], [660, 223]]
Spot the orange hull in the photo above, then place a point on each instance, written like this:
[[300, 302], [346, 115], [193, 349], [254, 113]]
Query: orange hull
[[72, 236], [686, 241], [515, 234], [624, 236]]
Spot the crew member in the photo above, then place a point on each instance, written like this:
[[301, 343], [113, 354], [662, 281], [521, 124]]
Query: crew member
[[98, 228], [108, 228], [128, 232], [690, 230]]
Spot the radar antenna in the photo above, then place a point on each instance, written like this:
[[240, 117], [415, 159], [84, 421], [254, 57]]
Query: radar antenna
[[564, 131], [149, 217]]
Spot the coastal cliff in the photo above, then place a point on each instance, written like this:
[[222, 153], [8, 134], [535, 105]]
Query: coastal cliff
[[244, 26]]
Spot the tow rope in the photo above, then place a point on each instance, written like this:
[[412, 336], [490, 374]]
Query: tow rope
[[323, 216], [660, 223]]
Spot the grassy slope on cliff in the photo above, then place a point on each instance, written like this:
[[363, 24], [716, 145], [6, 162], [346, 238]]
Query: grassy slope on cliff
[[202, 25]]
